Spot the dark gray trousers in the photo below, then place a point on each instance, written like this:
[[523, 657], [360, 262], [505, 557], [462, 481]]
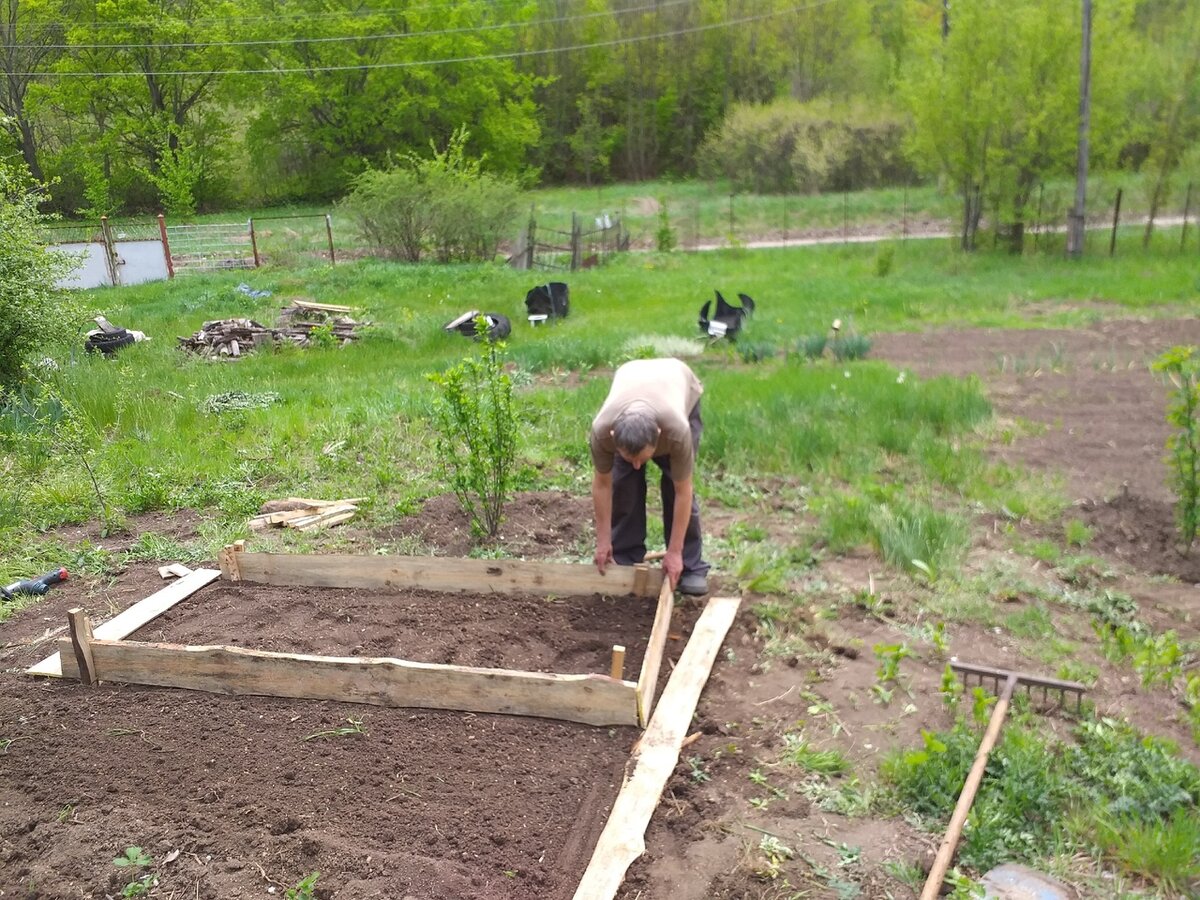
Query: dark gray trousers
[[629, 508]]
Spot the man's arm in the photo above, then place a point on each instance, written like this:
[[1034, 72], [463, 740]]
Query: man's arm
[[602, 504], [681, 516]]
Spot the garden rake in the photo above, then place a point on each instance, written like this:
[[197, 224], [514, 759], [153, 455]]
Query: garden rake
[[1004, 682]]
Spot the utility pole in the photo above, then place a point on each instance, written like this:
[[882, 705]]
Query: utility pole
[[945, 19], [1076, 223]]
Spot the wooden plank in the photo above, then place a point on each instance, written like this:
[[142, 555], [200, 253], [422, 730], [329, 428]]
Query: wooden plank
[[326, 520], [439, 573], [651, 663], [326, 307], [126, 623], [591, 699], [80, 627], [623, 838]]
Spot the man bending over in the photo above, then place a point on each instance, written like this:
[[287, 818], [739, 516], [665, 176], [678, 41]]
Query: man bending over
[[652, 413]]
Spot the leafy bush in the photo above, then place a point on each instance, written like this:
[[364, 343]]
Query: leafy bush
[[34, 315], [477, 433], [1183, 447], [445, 206], [791, 146]]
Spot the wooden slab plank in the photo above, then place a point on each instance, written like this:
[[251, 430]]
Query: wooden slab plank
[[655, 647], [129, 621], [623, 838], [591, 699], [439, 573]]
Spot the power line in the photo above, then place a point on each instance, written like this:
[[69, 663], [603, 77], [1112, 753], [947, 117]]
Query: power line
[[514, 54], [320, 14], [474, 29]]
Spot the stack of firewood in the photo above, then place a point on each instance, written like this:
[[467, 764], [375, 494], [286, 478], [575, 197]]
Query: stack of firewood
[[235, 337], [304, 514]]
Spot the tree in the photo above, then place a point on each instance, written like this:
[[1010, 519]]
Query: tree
[[34, 316], [994, 104], [337, 105], [31, 35]]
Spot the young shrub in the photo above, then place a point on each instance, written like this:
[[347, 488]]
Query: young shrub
[[812, 346], [445, 206], [477, 432], [664, 238], [846, 347], [1183, 447], [34, 315]]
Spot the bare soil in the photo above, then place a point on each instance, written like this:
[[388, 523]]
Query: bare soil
[[427, 805], [246, 794]]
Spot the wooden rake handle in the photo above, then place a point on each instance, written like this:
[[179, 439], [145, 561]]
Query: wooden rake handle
[[945, 854]]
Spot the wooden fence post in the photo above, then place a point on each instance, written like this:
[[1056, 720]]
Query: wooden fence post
[[110, 252], [254, 244], [530, 241], [166, 245], [576, 242], [1112, 241], [1187, 207]]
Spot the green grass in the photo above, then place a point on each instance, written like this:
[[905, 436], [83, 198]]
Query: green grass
[[352, 421]]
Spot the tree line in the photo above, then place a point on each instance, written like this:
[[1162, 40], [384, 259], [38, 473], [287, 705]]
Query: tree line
[[125, 105]]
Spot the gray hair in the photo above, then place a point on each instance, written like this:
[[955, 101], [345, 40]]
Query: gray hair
[[633, 432]]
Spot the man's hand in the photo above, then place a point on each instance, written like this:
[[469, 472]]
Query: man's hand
[[604, 556], [673, 566]]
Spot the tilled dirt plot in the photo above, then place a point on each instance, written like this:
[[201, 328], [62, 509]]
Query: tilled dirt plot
[[1098, 417], [244, 796]]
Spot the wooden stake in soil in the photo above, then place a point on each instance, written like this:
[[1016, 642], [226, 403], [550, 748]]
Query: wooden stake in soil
[[618, 662], [623, 838], [81, 642]]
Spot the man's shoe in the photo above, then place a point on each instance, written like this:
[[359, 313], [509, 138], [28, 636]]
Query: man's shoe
[[693, 584]]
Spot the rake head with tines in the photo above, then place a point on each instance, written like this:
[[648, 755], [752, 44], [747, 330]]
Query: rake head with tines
[[998, 678]]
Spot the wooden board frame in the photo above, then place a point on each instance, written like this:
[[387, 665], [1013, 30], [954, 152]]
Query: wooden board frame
[[597, 699]]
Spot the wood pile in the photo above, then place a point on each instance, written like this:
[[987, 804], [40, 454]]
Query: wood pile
[[304, 514], [233, 338]]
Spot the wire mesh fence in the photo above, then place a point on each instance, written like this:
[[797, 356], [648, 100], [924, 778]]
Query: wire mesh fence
[[210, 247]]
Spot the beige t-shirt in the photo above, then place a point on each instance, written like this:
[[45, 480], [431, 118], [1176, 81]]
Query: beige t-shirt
[[665, 388]]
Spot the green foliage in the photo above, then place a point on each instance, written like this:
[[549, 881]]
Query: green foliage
[[979, 134], [134, 859], [846, 347], [1179, 365], [665, 239], [812, 346], [787, 146], [1161, 850], [175, 172], [36, 319], [800, 753], [445, 206], [1116, 777], [477, 433], [304, 888], [916, 537]]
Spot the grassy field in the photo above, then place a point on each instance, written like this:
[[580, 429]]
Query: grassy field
[[871, 454]]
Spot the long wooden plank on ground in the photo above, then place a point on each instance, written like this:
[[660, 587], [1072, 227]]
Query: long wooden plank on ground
[[591, 699], [623, 838], [652, 662], [129, 621], [440, 573]]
